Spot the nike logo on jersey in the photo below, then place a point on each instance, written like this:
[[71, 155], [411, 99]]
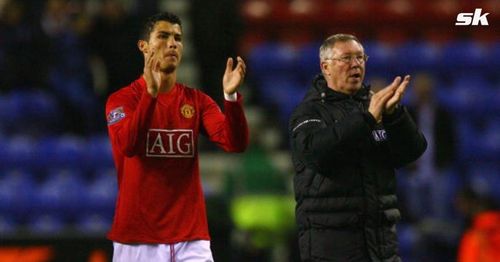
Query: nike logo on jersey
[[170, 143]]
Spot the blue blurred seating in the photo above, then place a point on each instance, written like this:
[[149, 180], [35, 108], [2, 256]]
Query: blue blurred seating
[[469, 140], [308, 61], [381, 58], [272, 58], [61, 194], [98, 152], [445, 186], [18, 151], [282, 94], [494, 59], [31, 112], [101, 193], [484, 178], [414, 56], [7, 225], [491, 139], [73, 90], [409, 239], [17, 194], [46, 224], [463, 56], [62, 152], [469, 94], [93, 224]]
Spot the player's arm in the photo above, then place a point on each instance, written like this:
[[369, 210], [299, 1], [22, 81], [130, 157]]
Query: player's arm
[[229, 130], [151, 72], [128, 116], [128, 120], [406, 142]]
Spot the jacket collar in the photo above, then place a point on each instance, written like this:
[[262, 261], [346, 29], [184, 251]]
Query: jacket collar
[[320, 91]]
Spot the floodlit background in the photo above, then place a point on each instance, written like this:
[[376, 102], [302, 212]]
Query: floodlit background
[[60, 59]]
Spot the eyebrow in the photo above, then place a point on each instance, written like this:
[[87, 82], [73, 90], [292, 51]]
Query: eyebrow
[[352, 53], [169, 33]]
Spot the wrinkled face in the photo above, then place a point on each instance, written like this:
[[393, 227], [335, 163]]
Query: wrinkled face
[[166, 40], [345, 70]]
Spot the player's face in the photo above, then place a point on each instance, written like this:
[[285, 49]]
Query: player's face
[[344, 75], [166, 39]]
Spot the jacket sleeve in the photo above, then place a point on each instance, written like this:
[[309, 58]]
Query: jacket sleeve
[[310, 135], [406, 142], [229, 130], [128, 118]]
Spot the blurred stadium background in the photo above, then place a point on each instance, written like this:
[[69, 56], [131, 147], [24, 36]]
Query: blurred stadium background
[[60, 59]]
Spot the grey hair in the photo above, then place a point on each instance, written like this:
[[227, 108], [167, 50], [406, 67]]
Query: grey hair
[[325, 50]]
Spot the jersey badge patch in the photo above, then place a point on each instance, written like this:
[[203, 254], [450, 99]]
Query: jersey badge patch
[[187, 111], [115, 115], [379, 135]]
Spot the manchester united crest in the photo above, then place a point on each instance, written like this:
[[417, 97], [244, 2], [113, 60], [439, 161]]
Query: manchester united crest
[[187, 111]]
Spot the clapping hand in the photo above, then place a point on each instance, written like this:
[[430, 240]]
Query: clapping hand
[[152, 74], [398, 95], [385, 100], [233, 78]]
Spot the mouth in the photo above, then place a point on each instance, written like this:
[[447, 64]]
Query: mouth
[[356, 76], [172, 55]]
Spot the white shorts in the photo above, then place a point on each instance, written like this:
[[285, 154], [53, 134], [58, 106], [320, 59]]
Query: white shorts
[[191, 251]]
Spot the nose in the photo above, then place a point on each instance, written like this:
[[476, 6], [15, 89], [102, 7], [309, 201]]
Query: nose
[[171, 42], [356, 61]]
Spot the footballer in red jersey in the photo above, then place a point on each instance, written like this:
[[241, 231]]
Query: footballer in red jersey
[[153, 125]]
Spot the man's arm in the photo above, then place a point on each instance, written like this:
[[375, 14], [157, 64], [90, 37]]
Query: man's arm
[[133, 114], [311, 136], [128, 120], [228, 130], [406, 142]]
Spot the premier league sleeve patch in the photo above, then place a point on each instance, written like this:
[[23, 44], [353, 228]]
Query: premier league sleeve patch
[[116, 115]]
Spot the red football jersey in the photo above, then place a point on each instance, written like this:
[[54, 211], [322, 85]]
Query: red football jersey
[[154, 141]]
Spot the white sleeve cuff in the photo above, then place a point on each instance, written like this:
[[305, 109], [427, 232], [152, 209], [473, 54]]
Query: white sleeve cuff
[[232, 97]]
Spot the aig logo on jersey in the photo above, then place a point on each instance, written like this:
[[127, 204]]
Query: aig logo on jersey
[[170, 143]]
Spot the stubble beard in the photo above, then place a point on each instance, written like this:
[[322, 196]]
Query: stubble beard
[[167, 68]]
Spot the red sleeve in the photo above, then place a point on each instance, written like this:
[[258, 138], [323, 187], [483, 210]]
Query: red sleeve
[[470, 247], [128, 118], [228, 130]]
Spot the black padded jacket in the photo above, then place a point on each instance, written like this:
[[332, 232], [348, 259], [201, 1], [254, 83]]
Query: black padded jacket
[[345, 183]]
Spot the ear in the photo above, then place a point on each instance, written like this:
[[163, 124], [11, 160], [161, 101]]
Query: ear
[[143, 46], [324, 68]]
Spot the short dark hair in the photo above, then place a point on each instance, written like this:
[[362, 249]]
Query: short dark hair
[[152, 20]]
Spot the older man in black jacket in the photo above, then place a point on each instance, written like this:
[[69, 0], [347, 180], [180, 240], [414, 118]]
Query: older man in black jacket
[[346, 142]]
